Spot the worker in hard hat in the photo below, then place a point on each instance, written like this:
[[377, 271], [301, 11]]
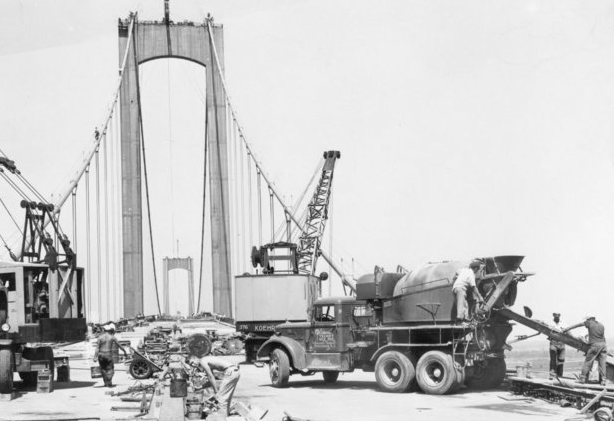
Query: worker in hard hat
[[104, 353], [229, 375], [557, 349], [463, 285], [598, 349]]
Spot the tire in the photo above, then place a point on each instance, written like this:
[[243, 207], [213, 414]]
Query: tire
[[394, 372], [489, 375], [436, 373], [330, 376], [29, 378], [279, 368], [6, 371], [140, 369], [199, 345]]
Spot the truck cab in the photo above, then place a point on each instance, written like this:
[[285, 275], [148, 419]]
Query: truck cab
[[323, 343]]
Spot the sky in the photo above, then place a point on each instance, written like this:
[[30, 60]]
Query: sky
[[473, 128]]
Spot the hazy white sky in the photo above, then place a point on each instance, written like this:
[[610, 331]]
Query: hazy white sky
[[470, 128]]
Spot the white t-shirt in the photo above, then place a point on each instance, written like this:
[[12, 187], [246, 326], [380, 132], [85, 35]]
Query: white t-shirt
[[464, 278]]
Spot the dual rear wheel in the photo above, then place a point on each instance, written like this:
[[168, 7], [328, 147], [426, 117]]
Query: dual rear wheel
[[435, 373]]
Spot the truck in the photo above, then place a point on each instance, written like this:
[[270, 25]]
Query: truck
[[401, 326]]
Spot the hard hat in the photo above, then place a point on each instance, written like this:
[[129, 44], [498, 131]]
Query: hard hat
[[111, 326], [106, 328]]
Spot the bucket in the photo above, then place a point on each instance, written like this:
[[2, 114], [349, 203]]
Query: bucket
[[522, 371], [44, 383], [95, 372], [179, 388]]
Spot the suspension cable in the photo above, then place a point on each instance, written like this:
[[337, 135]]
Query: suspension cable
[[74, 220], [138, 98], [11, 216], [202, 231]]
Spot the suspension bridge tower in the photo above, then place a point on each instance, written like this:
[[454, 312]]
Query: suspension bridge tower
[[199, 43]]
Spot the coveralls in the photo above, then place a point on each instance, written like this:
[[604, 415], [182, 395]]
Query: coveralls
[[597, 351], [557, 353]]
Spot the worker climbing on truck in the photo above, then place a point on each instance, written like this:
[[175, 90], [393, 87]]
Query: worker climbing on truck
[[464, 284]]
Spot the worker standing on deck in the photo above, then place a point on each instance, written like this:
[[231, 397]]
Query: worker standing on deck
[[598, 349], [557, 349], [229, 382], [464, 282], [104, 354]]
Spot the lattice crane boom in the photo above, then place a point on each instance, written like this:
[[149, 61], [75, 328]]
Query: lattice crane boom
[[317, 215]]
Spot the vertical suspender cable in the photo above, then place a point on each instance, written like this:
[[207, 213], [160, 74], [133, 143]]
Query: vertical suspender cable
[[272, 215], [112, 205], [259, 206], [98, 266], [74, 220], [108, 294], [236, 239], [88, 259], [118, 201], [242, 240], [202, 231], [138, 98], [250, 208]]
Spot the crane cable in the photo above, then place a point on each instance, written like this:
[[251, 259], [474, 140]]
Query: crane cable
[[138, 98]]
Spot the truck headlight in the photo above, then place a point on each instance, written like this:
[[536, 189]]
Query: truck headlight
[[6, 327]]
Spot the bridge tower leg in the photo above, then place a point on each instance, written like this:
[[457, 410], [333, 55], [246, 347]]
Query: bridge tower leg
[[153, 40]]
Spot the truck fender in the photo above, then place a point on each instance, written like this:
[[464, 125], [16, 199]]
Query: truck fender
[[294, 349], [385, 348]]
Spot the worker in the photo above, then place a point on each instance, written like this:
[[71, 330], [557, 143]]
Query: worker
[[557, 349], [104, 354], [597, 350], [464, 282], [229, 382]]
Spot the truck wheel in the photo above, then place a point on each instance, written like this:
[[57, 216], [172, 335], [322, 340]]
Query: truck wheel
[[394, 372], [436, 373], [6, 371], [279, 368], [140, 369], [330, 376]]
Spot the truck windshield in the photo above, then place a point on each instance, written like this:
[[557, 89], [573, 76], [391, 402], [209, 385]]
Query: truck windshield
[[324, 313]]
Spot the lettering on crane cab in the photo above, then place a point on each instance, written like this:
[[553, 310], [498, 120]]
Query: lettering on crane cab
[[324, 339]]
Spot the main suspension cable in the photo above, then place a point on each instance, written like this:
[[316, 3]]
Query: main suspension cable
[[202, 231]]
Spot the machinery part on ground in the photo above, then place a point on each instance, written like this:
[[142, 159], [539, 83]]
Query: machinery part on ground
[[330, 376], [394, 372], [603, 414], [279, 368], [199, 345], [435, 373], [6, 371], [487, 374], [29, 378], [140, 369]]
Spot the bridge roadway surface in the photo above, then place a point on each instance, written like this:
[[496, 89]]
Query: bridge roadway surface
[[354, 397]]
